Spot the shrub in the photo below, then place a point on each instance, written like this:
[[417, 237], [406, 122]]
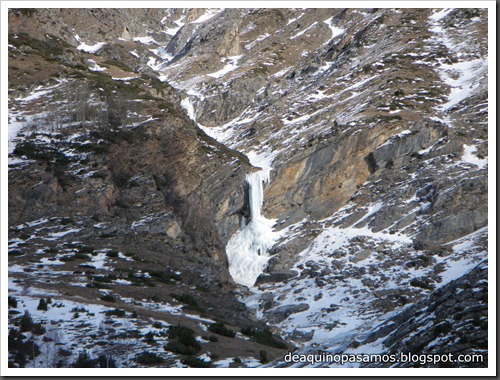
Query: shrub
[[85, 361], [108, 298], [116, 312], [140, 279], [180, 348], [81, 256], [149, 358], [221, 329], [12, 302], [150, 338], [157, 325], [164, 277], [112, 254], [26, 323], [98, 285], [264, 337], [15, 252], [85, 249], [67, 258], [38, 329], [22, 349], [66, 221], [109, 278], [263, 357], [211, 338], [196, 362], [42, 305], [185, 342], [188, 300]]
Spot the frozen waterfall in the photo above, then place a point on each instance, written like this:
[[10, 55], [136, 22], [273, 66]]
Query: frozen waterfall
[[247, 250]]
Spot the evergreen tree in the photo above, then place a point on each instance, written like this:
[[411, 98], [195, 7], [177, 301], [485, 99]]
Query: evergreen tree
[[42, 305]]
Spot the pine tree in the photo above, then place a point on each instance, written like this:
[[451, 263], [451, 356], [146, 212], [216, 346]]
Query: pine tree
[[42, 305]]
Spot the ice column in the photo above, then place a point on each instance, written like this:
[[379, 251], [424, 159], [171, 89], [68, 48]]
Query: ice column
[[247, 250]]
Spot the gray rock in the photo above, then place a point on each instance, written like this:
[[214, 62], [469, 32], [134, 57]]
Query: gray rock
[[361, 255], [301, 336], [279, 314], [265, 278]]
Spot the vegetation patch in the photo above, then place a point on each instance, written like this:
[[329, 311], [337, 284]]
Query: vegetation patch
[[149, 358], [118, 64], [182, 341], [188, 300], [265, 337], [108, 298], [196, 362], [221, 329], [12, 302], [116, 313], [32, 151], [164, 277]]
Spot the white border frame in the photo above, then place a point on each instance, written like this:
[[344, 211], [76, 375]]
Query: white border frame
[[490, 371]]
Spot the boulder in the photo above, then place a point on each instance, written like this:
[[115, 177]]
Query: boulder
[[265, 278], [281, 313]]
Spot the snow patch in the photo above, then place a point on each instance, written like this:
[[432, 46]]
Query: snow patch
[[95, 66], [335, 31], [304, 31], [470, 157], [441, 14], [210, 13], [91, 48], [258, 39], [231, 65], [145, 40], [463, 79]]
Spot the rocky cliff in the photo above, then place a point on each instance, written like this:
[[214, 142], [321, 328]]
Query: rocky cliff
[[153, 152]]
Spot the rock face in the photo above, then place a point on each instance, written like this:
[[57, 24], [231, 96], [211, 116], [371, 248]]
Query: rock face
[[132, 132], [69, 23]]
